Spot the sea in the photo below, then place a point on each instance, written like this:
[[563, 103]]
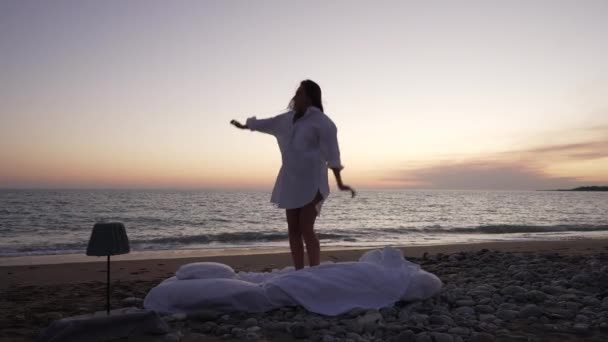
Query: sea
[[44, 222]]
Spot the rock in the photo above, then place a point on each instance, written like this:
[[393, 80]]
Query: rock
[[559, 313], [484, 309], [581, 319], [353, 336], [338, 331], [481, 337], [506, 315], [132, 301], [485, 301], [568, 297], [353, 326], [512, 290], [355, 312], [323, 324], [552, 290], [487, 317], [496, 298], [221, 330], [405, 336], [441, 337], [419, 318], [299, 330], [250, 322], [524, 276], [48, 317], [573, 306], [177, 317], [278, 326], [423, 337], [204, 315], [464, 311], [530, 310], [536, 296], [521, 297], [253, 329], [465, 302], [206, 328], [459, 331], [389, 312], [480, 294], [485, 288], [93, 327], [370, 320], [441, 320], [582, 278], [550, 327], [581, 327], [252, 337], [605, 303], [194, 337], [590, 301], [328, 338], [171, 338], [238, 332], [507, 306]]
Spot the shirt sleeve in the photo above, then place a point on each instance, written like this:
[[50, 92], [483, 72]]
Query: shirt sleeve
[[268, 125], [329, 145]]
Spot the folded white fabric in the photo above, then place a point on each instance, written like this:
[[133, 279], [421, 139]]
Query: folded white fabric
[[378, 279]]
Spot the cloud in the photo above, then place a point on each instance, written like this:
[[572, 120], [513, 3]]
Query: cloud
[[517, 169], [586, 150], [482, 175]]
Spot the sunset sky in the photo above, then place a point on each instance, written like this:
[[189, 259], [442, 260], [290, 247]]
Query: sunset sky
[[425, 94]]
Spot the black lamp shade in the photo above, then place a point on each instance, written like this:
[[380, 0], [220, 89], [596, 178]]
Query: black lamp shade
[[108, 239]]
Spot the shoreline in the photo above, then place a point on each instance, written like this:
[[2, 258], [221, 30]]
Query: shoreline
[[187, 253], [160, 265]]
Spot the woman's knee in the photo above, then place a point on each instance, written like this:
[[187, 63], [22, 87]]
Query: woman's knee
[[310, 237]]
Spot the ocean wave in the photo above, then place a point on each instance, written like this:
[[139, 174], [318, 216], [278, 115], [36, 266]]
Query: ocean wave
[[513, 228], [253, 238], [491, 229], [169, 242], [231, 237]]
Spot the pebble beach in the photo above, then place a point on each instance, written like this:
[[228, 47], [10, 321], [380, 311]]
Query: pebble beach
[[541, 291]]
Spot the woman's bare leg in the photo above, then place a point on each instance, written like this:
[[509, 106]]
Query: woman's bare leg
[[295, 237], [308, 215]]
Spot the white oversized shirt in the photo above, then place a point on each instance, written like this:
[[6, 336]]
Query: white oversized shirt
[[308, 147]]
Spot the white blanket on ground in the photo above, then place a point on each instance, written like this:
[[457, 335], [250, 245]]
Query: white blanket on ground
[[380, 278]]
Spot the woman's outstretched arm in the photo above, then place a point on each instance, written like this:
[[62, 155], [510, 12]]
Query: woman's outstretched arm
[[331, 153], [341, 185], [269, 125]]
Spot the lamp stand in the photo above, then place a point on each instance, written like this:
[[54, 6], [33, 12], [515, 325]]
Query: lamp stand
[[108, 288]]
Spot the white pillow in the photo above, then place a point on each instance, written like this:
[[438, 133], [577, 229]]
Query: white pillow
[[205, 270]]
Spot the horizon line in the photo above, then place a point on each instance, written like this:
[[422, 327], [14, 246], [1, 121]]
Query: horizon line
[[34, 188]]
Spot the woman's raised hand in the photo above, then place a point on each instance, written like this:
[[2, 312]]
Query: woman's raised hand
[[238, 124]]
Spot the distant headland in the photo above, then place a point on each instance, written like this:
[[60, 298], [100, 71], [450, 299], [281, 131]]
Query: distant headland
[[584, 188]]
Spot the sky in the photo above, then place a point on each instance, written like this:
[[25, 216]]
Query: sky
[[425, 94]]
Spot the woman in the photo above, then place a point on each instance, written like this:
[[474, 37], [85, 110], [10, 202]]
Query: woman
[[308, 142]]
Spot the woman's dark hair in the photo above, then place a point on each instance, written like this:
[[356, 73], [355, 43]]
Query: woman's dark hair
[[313, 91]]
